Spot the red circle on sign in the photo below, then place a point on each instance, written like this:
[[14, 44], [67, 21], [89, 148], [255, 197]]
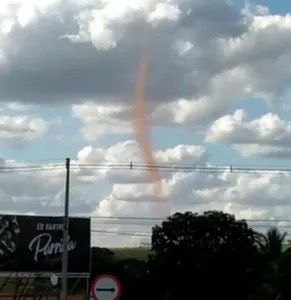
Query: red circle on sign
[[116, 281]]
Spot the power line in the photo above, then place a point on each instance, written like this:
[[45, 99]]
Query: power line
[[185, 168], [143, 167], [97, 162], [163, 219], [44, 160], [29, 170], [95, 219], [140, 234], [122, 233], [267, 224]]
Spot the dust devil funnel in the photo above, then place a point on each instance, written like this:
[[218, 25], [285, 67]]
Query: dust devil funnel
[[140, 123]]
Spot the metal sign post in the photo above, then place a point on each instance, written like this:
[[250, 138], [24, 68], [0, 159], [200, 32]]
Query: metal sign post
[[64, 292]]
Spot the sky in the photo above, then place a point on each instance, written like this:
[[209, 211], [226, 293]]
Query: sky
[[217, 96]]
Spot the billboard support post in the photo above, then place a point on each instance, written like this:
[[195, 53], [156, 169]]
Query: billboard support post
[[64, 292]]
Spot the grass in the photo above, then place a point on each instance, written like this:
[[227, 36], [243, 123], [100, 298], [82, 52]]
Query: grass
[[137, 252], [142, 252], [285, 246]]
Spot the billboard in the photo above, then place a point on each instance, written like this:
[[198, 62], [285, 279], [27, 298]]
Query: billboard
[[35, 244]]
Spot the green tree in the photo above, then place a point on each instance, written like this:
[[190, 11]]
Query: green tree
[[212, 254], [270, 243], [276, 273], [101, 261]]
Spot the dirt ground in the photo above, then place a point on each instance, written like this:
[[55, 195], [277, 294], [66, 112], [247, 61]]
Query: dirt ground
[[70, 297]]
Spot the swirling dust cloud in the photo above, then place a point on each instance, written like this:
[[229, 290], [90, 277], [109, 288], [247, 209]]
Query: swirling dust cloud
[[140, 126]]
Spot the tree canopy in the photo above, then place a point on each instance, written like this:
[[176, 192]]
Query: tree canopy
[[212, 249], [204, 255]]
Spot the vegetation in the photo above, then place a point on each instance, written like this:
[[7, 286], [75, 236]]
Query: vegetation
[[208, 255], [140, 253]]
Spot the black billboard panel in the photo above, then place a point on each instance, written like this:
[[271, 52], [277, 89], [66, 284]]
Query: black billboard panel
[[35, 244]]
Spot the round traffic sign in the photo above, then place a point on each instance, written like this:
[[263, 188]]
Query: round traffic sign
[[106, 287]]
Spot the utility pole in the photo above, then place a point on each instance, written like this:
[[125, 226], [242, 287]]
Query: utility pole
[[64, 291]]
